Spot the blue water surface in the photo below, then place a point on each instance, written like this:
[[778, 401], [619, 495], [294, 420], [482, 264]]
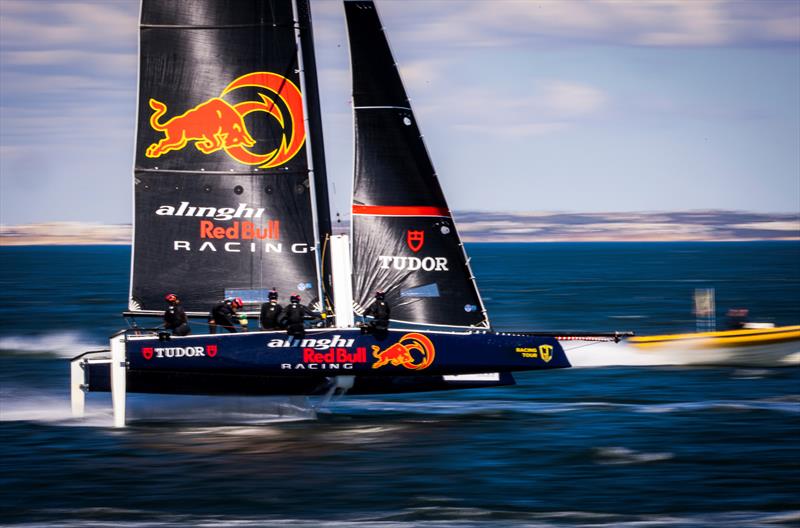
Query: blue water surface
[[606, 446]]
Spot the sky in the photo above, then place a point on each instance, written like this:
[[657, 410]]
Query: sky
[[525, 105]]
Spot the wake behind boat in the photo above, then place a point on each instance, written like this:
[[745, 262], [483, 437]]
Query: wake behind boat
[[230, 194]]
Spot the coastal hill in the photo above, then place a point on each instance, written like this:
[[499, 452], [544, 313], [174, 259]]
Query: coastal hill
[[479, 226]]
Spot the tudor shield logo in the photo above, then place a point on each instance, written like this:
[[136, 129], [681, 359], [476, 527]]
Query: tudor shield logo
[[415, 239]]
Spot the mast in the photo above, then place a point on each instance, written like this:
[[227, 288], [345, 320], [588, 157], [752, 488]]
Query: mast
[[314, 117], [309, 154]]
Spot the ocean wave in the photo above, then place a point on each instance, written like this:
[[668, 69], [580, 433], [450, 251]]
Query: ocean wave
[[496, 407], [624, 456], [438, 516], [59, 344]]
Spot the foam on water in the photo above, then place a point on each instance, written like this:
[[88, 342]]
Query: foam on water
[[21, 405], [25, 406], [623, 456], [60, 344], [613, 354]]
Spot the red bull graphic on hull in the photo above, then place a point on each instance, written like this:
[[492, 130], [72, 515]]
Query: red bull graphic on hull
[[413, 351], [218, 125], [333, 359]]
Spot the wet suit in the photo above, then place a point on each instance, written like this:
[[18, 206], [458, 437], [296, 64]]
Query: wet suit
[[222, 315], [175, 319], [271, 315], [380, 312], [293, 317]]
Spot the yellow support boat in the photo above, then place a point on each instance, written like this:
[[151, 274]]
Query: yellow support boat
[[754, 345]]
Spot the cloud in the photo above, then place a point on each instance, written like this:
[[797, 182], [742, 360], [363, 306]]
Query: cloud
[[99, 62], [547, 107], [792, 226], [74, 25], [569, 99], [68, 71], [420, 72], [656, 23]]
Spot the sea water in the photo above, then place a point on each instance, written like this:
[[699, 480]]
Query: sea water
[[601, 446]]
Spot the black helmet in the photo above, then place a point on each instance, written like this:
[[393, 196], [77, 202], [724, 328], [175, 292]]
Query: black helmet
[[295, 298], [273, 295], [380, 294]]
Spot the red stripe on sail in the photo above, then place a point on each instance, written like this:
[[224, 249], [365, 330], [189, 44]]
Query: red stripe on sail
[[400, 210]]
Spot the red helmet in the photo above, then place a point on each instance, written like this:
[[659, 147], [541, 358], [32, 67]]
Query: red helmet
[[171, 298], [294, 298], [237, 302]]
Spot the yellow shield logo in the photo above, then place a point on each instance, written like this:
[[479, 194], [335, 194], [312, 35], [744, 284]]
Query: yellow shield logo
[[546, 353]]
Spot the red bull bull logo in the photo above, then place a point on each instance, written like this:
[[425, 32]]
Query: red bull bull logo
[[216, 125], [413, 351]]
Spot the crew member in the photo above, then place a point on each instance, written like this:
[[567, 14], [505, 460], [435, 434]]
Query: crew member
[[293, 317], [224, 315], [271, 312], [379, 311], [175, 316], [737, 318]]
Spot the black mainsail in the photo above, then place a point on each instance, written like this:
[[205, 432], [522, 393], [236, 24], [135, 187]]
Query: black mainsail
[[404, 238], [230, 191]]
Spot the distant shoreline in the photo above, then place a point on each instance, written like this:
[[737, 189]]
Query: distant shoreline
[[468, 242], [493, 227]]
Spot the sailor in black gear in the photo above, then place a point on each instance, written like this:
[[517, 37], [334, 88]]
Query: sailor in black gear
[[271, 312], [175, 316], [379, 311], [737, 318], [293, 317], [224, 315]]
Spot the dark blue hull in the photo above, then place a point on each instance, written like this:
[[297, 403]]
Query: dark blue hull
[[271, 363]]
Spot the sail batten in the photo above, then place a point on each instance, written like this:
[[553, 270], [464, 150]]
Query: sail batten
[[404, 239], [382, 108]]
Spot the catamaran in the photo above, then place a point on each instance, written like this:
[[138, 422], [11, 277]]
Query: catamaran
[[230, 200]]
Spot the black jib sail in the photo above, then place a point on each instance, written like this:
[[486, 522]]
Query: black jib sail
[[404, 238], [230, 187]]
